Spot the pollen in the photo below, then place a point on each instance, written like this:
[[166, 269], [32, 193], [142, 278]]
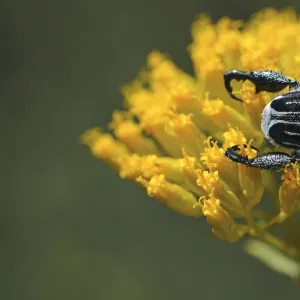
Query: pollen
[[221, 221], [233, 136], [212, 183], [213, 155], [173, 133], [172, 195], [236, 137], [214, 159], [208, 180]]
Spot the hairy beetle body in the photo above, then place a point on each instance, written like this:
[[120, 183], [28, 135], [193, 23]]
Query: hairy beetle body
[[281, 120]]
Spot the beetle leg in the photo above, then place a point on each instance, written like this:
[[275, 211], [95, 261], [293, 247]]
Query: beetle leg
[[267, 161], [267, 80]]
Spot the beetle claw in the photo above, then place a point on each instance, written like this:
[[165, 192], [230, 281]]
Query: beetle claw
[[266, 80]]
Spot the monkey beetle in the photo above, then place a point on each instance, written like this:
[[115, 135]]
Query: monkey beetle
[[280, 122]]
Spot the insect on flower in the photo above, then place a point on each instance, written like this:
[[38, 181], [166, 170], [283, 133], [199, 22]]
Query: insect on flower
[[280, 122], [176, 132]]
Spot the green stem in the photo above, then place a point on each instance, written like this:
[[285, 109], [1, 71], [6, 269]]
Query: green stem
[[261, 233]]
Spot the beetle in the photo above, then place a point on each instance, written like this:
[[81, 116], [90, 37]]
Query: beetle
[[280, 122]]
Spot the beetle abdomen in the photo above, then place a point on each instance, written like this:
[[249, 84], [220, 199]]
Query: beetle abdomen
[[281, 120], [289, 102]]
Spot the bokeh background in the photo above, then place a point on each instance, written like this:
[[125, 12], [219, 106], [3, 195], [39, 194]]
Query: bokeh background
[[71, 229]]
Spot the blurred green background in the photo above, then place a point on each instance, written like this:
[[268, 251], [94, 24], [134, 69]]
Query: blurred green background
[[71, 228]]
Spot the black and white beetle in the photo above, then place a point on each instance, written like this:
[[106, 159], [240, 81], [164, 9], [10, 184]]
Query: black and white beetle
[[280, 119]]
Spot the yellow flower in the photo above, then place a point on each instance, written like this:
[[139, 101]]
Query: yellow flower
[[289, 192], [221, 221], [172, 136]]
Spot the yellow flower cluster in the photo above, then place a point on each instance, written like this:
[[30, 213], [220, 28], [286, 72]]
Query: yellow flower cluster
[[172, 137]]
